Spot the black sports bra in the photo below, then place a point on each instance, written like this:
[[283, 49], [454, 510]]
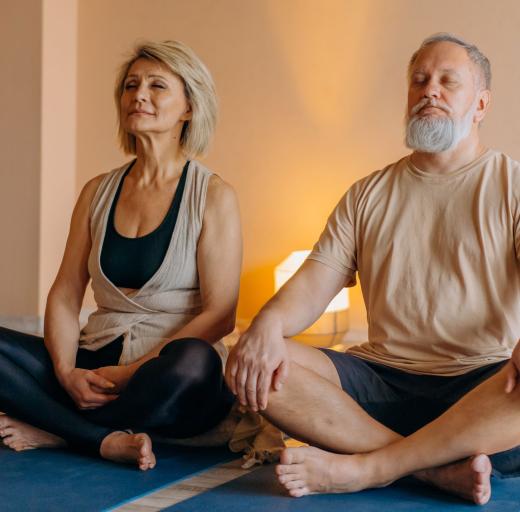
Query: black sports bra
[[131, 262]]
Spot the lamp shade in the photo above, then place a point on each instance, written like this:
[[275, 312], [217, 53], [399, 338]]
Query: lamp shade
[[284, 271]]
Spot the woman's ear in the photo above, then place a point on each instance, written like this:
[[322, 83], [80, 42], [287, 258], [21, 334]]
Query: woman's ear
[[188, 114]]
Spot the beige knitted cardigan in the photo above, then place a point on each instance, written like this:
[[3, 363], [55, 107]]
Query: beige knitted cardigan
[[169, 299]]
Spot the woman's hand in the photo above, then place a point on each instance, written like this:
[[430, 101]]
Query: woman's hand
[[118, 375], [88, 389], [259, 361], [513, 369]]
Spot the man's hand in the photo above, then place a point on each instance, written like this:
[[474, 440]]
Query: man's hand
[[258, 361], [118, 375], [513, 369], [88, 389]]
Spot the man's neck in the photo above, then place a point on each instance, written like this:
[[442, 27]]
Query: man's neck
[[466, 152]]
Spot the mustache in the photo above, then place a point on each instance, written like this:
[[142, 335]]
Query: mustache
[[427, 102]]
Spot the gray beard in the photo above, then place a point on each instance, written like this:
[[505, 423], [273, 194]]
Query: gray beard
[[436, 134]]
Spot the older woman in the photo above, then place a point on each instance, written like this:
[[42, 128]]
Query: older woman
[[160, 239]]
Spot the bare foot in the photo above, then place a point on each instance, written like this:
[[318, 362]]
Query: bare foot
[[469, 479], [20, 436], [124, 447], [309, 470]]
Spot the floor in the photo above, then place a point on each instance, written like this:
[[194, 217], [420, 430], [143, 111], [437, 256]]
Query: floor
[[190, 487]]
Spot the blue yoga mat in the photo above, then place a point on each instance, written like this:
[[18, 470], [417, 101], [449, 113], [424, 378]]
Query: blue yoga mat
[[259, 491], [59, 480]]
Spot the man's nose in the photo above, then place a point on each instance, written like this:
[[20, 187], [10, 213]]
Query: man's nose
[[431, 90]]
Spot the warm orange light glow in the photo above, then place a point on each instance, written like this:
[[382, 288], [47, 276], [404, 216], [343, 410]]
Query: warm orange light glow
[[334, 321], [285, 270]]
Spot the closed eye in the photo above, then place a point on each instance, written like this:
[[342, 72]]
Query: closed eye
[[418, 79]]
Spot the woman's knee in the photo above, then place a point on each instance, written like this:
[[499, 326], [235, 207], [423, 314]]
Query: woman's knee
[[24, 349], [9, 340], [192, 359], [191, 349]]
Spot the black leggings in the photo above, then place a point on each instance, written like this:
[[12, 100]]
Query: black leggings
[[180, 393]]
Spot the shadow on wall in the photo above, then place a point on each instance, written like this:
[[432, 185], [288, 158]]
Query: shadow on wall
[[323, 50]]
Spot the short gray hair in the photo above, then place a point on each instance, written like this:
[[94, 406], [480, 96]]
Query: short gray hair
[[476, 56], [198, 88]]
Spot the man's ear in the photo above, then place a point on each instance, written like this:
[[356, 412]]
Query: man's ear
[[482, 105]]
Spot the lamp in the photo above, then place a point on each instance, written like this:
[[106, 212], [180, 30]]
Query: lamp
[[333, 323]]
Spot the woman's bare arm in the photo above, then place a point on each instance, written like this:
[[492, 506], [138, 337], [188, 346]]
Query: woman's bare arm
[[61, 332]]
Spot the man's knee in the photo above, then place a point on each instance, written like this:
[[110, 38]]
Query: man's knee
[[313, 359], [290, 386]]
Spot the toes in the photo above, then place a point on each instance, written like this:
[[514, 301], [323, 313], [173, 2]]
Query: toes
[[481, 464], [481, 499], [289, 477], [7, 431], [298, 493], [13, 443], [146, 455], [294, 484], [286, 456], [481, 494], [289, 473], [145, 464], [292, 455], [282, 469], [18, 445]]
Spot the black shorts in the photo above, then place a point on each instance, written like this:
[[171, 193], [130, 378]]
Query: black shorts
[[405, 402]]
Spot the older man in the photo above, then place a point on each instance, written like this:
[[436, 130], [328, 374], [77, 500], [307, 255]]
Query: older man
[[435, 239]]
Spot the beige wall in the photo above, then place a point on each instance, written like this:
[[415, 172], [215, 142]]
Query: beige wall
[[37, 148], [20, 130], [58, 158], [311, 94]]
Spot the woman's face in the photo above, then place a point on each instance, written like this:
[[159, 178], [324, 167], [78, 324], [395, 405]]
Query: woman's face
[[153, 100]]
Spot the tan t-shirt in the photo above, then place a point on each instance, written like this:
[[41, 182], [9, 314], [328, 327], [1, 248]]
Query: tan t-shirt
[[438, 261]]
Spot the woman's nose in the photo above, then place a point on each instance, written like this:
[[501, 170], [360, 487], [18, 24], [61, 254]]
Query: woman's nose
[[141, 93]]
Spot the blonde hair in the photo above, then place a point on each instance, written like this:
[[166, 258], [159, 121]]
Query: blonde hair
[[198, 88]]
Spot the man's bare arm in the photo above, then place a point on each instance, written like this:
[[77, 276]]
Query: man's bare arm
[[260, 358]]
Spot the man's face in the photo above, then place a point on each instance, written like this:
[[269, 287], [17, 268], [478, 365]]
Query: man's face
[[443, 97]]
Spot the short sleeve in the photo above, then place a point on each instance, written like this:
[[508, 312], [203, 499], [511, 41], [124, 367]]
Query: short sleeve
[[336, 246], [516, 230], [514, 191]]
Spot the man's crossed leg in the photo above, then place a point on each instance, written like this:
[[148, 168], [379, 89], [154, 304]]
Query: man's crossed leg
[[350, 450]]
